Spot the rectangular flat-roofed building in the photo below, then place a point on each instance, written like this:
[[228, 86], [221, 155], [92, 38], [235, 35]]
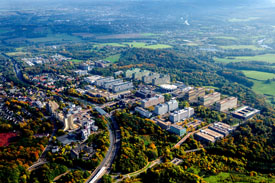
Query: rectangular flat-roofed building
[[212, 133], [152, 101], [121, 87], [101, 81], [209, 99], [179, 130], [109, 84], [204, 137], [245, 113], [143, 112], [226, 104], [161, 109], [180, 115], [193, 95]]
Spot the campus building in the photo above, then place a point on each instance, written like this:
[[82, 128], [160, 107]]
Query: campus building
[[209, 99], [226, 104], [179, 130], [181, 115], [152, 101], [245, 113], [143, 112], [192, 95], [169, 106]]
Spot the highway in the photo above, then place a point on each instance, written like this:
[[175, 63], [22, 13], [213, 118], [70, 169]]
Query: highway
[[106, 164]]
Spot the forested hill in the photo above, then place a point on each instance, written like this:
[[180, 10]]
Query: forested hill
[[192, 70]]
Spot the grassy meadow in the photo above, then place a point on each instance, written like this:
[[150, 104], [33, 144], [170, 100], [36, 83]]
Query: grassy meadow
[[264, 58]]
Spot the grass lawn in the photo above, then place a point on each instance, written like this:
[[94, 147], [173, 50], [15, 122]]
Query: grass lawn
[[235, 47], [113, 58], [18, 53], [56, 38], [239, 178], [265, 58], [258, 75], [110, 44]]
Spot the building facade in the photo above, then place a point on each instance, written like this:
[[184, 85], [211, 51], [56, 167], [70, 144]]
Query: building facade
[[209, 99], [226, 104]]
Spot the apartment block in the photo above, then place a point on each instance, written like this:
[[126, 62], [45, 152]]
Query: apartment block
[[152, 101], [180, 115], [193, 95], [226, 104], [209, 99]]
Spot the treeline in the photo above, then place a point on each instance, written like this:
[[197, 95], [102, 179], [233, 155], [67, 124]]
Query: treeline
[[142, 141], [253, 65]]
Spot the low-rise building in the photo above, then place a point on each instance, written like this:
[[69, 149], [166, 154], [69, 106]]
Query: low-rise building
[[204, 137], [109, 84], [179, 130], [100, 82], [245, 112], [221, 128], [145, 93], [209, 99], [81, 72], [143, 112], [164, 125]]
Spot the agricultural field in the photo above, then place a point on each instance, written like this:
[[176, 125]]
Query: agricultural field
[[226, 37], [56, 38], [236, 47], [261, 87], [240, 178], [75, 60], [113, 58], [135, 45], [258, 75], [264, 58]]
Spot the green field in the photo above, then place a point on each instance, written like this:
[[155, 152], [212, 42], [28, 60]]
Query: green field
[[236, 47], [238, 178], [265, 58], [261, 87], [56, 38], [145, 45], [135, 45], [258, 75], [113, 58]]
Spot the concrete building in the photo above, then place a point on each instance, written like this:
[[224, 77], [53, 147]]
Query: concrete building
[[109, 84], [209, 99], [92, 79], [204, 137], [181, 115], [85, 67], [221, 128], [245, 113], [102, 63], [163, 79], [121, 87], [161, 109], [81, 72], [139, 75], [212, 133], [129, 73], [145, 93], [179, 130], [193, 95], [167, 88], [226, 104], [143, 112], [163, 125], [149, 79], [100, 82], [152, 101], [172, 105]]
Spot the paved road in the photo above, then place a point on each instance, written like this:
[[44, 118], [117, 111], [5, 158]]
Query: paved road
[[188, 135], [112, 151]]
